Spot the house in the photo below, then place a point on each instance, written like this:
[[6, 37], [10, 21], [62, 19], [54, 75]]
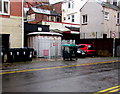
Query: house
[[45, 14], [42, 11], [11, 28], [100, 25], [71, 15], [99, 20]]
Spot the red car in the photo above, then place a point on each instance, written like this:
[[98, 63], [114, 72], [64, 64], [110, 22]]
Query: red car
[[88, 48]]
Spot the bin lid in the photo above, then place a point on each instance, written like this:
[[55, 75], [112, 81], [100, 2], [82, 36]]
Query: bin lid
[[70, 45]]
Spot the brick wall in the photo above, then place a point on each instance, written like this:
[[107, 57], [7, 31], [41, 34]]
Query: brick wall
[[16, 8]]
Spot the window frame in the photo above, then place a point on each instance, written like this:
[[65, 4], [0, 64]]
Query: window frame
[[85, 19], [118, 18], [106, 15], [73, 4], [69, 5], [68, 17], [73, 18], [3, 9]]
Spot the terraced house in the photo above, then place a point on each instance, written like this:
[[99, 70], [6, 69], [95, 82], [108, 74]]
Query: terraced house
[[100, 23], [11, 29]]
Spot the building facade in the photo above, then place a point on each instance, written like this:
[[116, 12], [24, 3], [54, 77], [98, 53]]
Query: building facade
[[11, 23], [70, 11], [99, 20]]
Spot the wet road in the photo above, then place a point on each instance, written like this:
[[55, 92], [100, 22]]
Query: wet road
[[76, 78]]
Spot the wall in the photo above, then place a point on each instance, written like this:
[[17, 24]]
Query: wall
[[70, 11], [110, 24], [95, 21], [16, 8], [12, 24], [58, 7]]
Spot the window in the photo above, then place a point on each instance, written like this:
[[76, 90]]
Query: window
[[106, 15], [52, 18], [81, 46], [0, 6], [68, 17], [118, 18], [73, 18], [64, 18], [58, 19], [5, 7], [73, 4], [69, 5], [84, 19], [119, 34]]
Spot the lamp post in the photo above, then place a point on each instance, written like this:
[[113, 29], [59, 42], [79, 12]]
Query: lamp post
[[113, 36], [113, 47]]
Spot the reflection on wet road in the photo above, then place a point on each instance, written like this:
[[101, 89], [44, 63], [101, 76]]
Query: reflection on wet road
[[88, 78]]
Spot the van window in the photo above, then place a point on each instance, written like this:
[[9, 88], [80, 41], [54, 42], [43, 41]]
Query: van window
[[81, 46]]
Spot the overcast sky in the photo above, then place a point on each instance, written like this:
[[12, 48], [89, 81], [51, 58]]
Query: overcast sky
[[54, 1]]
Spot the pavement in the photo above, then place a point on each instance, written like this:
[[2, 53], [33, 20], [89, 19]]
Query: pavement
[[43, 63]]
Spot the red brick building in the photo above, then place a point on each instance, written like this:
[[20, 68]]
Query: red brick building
[[42, 11]]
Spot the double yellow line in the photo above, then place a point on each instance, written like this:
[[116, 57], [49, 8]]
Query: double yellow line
[[109, 90], [57, 67]]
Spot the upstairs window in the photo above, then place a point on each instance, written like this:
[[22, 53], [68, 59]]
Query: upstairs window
[[106, 15], [73, 4], [5, 7], [84, 19], [0, 6], [69, 5], [118, 18]]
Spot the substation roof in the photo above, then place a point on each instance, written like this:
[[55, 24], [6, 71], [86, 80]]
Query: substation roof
[[45, 33]]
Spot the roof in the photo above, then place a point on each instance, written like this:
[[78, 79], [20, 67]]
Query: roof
[[38, 10], [44, 11], [73, 28], [70, 45], [45, 33], [104, 4], [108, 5]]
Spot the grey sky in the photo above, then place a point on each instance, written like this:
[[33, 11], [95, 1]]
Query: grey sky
[[54, 1]]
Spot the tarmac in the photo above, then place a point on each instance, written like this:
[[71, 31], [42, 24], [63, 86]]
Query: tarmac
[[46, 62]]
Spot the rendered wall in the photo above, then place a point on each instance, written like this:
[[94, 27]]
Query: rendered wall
[[12, 26]]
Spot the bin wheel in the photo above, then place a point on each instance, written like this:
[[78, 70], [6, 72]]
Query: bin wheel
[[5, 58], [70, 59], [76, 58]]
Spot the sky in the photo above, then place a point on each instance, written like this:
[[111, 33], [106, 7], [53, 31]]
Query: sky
[[54, 1]]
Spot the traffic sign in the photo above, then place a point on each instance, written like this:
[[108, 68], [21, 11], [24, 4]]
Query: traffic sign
[[113, 34]]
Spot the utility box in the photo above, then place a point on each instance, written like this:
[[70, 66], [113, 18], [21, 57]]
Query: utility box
[[46, 44]]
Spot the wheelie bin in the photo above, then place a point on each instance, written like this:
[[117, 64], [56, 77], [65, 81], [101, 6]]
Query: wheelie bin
[[30, 54], [10, 55], [17, 54], [70, 51], [2, 55], [23, 54]]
